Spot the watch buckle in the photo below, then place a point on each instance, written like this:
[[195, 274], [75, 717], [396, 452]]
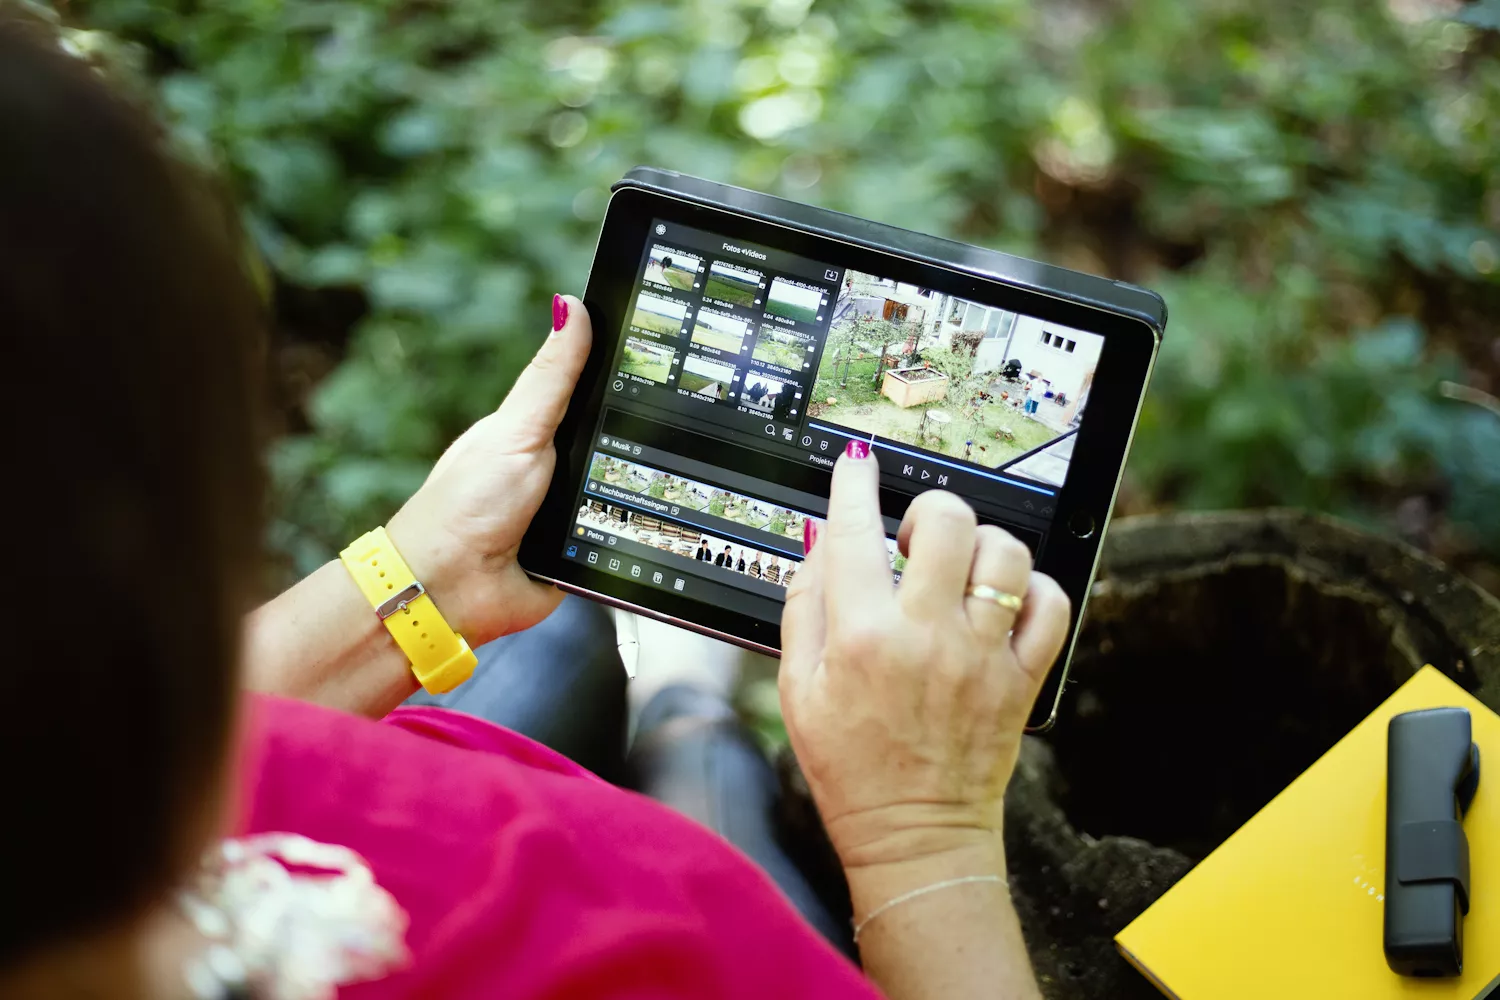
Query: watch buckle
[[398, 601]]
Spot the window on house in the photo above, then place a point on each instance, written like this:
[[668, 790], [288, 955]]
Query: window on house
[[1046, 338], [1070, 347]]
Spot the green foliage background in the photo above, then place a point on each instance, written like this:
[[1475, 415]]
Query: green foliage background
[[1315, 188]]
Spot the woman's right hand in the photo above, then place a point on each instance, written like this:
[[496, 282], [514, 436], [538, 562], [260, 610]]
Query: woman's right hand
[[905, 705]]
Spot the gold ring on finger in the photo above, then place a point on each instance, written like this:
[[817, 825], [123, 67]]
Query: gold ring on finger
[[984, 592]]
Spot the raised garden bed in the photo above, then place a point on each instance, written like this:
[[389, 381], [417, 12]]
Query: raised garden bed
[[913, 386]]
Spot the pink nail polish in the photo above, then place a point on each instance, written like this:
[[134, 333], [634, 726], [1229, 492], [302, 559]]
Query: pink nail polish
[[559, 312], [857, 449], [809, 535]]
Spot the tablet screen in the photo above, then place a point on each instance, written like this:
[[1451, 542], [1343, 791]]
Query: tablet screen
[[740, 364]]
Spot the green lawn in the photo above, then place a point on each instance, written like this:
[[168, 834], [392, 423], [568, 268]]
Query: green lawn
[[860, 389], [745, 516], [713, 338], [690, 500], [655, 322], [656, 371], [697, 383], [775, 353], [803, 314], [860, 407], [678, 278], [718, 288], [631, 481], [653, 364]]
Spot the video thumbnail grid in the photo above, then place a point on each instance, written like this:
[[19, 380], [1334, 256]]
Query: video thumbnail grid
[[719, 331]]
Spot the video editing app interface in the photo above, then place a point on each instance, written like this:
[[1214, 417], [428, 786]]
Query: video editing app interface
[[742, 373]]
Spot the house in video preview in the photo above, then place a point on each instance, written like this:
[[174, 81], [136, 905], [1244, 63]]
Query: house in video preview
[[934, 318], [1059, 362]]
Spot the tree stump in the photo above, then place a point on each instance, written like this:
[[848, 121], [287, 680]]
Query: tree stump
[[1222, 654]]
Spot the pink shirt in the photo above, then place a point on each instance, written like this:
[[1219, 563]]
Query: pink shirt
[[524, 875]]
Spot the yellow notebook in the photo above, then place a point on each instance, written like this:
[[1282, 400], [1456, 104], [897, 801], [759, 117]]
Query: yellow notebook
[[1291, 905]]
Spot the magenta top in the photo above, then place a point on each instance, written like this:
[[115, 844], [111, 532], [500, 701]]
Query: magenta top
[[524, 875]]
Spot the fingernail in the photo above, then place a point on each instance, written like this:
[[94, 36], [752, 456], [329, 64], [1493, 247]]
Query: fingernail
[[857, 449], [559, 312], [809, 536]]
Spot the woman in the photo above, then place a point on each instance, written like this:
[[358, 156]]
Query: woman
[[426, 854]]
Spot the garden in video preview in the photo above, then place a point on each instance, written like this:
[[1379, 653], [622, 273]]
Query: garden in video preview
[[971, 381]]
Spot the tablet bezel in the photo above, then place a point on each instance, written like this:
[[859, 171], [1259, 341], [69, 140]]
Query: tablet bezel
[[1129, 351]]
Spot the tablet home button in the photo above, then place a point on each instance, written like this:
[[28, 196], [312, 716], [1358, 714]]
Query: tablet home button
[[1081, 524]]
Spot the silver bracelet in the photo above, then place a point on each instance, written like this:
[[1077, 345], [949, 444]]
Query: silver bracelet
[[934, 887]]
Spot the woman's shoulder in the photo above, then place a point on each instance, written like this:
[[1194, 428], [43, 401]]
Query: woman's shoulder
[[520, 870]]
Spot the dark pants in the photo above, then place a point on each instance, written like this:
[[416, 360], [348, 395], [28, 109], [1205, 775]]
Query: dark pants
[[562, 684]]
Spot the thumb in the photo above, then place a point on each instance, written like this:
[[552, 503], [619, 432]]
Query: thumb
[[536, 403]]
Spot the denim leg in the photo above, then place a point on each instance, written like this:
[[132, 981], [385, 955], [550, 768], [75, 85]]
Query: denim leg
[[692, 753], [559, 682]]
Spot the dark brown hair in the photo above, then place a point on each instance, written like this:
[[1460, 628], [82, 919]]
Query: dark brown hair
[[133, 507]]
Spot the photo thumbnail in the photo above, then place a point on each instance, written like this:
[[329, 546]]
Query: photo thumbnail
[[792, 300], [776, 345], [645, 529], [678, 490], [726, 553], [736, 285], [647, 358], [620, 473], [707, 378], [673, 268], [658, 315], [769, 396], [719, 330], [761, 515], [635, 478]]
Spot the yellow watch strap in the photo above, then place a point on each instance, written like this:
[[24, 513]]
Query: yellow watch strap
[[439, 656]]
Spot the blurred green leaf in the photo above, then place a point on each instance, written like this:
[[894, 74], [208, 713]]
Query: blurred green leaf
[[1317, 193]]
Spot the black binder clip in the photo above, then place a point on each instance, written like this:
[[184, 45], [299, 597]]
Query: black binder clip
[[1432, 773]]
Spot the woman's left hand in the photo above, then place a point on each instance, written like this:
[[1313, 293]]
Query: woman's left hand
[[460, 532]]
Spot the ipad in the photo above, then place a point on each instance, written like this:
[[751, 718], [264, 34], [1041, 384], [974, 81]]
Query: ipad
[[742, 340]]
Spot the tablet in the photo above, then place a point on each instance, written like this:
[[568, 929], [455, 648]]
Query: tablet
[[742, 340]]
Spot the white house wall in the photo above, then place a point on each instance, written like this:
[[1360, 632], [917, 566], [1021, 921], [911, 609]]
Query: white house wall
[[1066, 372]]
